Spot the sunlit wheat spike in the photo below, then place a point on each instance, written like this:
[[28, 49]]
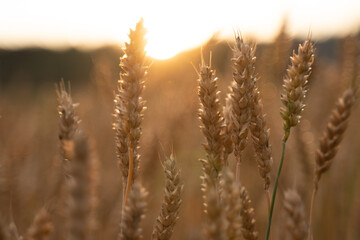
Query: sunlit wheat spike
[[133, 213], [80, 188], [169, 215], [334, 133], [295, 84], [210, 117], [260, 138], [212, 125], [42, 226], [231, 203], [129, 104], [247, 216], [241, 94], [295, 216]]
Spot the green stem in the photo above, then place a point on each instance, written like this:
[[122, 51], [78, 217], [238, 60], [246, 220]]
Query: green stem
[[287, 133]]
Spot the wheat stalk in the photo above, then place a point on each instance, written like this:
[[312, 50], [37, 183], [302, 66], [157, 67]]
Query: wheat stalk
[[295, 88], [339, 118], [172, 200]]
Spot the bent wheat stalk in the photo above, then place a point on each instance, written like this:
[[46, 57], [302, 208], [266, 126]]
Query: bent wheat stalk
[[329, 143]]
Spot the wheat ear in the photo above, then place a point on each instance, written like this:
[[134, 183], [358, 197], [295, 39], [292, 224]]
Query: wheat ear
[[79, 188], [295, 215], [333, 134], [227, 130], [133, 212], [129, 105], [295, 88], [211, 119], [329, 143], [232, 204], [215, 223], [247, 216], [260, 138], [68, 120], [241, 95], [42, 226], [212, 125], [172, 200]]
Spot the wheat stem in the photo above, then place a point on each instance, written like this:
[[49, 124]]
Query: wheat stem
[[268, 200], [311, 211], [237, 172], [286, 136]]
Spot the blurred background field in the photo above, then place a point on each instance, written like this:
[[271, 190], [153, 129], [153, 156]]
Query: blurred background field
[[30, 163]]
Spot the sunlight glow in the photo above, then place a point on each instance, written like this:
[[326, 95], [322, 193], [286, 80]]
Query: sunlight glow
[[173, 26]]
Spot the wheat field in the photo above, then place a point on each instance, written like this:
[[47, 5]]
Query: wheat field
[[187, 148]]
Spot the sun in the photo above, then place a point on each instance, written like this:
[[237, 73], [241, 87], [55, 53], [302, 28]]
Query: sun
[[165, 44], [167, 38], [161, 49]]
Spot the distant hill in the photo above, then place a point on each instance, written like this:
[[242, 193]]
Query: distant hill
[[43, 65]]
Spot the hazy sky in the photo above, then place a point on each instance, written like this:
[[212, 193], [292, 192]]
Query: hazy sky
[[172, 25]]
